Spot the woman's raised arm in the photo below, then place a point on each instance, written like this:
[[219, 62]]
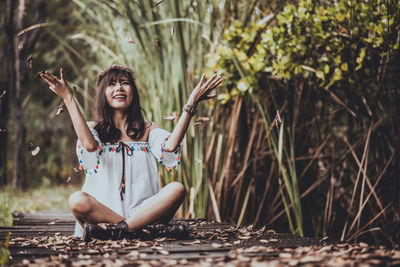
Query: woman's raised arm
[[61, 88], [200, 93]]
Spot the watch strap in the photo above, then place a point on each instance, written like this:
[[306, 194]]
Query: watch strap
[[189, 109]]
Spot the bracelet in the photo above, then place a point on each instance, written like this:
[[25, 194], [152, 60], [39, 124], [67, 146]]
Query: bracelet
[[191, 110]]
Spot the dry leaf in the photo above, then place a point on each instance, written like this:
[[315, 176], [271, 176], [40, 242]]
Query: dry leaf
[[34, 150], [202, 119], [158, 43], [3, 93], [244, 237], [169, 117], [30, 61], [216, 245], [164, 252], [60, 108], [38, 74], [157, 3]]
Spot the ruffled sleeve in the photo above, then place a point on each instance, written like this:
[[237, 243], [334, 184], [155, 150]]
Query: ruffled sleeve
[[89, 161], [157, 138]]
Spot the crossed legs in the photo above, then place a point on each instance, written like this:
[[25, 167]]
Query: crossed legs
[[160, 208]]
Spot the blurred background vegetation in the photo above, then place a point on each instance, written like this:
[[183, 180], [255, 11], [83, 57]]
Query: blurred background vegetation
[[304, 136]]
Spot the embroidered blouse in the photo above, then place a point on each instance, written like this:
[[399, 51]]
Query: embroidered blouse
[[122, 176]]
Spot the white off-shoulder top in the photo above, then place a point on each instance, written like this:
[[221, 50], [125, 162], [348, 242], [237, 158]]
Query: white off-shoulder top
[[105, 167]]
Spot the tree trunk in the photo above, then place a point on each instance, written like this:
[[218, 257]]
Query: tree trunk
[[24, 45], [8, 85]]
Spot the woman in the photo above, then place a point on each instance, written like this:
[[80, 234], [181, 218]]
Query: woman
[[121, 186]]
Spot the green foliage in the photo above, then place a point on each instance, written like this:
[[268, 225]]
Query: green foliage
[[4, 251], [43, 198], [345, 48], [324, 44]]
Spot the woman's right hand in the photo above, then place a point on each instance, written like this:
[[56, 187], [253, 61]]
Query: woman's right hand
[[58, 86]]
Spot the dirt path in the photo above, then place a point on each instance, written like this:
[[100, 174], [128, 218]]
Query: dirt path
[[45, 239]]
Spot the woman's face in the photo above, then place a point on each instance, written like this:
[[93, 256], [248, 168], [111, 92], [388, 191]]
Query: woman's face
[[119, 92]]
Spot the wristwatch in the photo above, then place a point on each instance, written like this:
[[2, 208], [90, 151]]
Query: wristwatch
[[189, 109]]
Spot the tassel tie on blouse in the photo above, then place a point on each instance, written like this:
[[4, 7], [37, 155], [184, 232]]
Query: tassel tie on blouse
[[121, 147]]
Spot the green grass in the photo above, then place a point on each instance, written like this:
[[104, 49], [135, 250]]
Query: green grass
[[43, 198]]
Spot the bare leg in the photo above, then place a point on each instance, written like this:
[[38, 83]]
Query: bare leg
[[86, 208], [160, 208]]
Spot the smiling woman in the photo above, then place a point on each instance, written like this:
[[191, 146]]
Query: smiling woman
[[121, 185]]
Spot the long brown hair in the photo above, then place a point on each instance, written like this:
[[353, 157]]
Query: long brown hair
[[105, 127]]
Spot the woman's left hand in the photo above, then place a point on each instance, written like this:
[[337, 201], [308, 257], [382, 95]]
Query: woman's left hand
[[202, 90]]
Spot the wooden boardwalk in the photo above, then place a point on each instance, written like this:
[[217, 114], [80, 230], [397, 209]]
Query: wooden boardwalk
[[45, 239]]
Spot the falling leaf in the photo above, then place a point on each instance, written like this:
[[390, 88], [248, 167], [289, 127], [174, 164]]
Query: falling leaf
[[39, 73], [60, 108], [30, 61], [169, 117], [34, 150], [131, 41], [157, 3], [158, 43], [202, 119], [3, 93], [172, 30]]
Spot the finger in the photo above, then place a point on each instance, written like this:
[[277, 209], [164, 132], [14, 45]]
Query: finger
[[215, 84], [209, 81], [62, 75], [218, 80], [51, 76], [202, 78], [46, 79]]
